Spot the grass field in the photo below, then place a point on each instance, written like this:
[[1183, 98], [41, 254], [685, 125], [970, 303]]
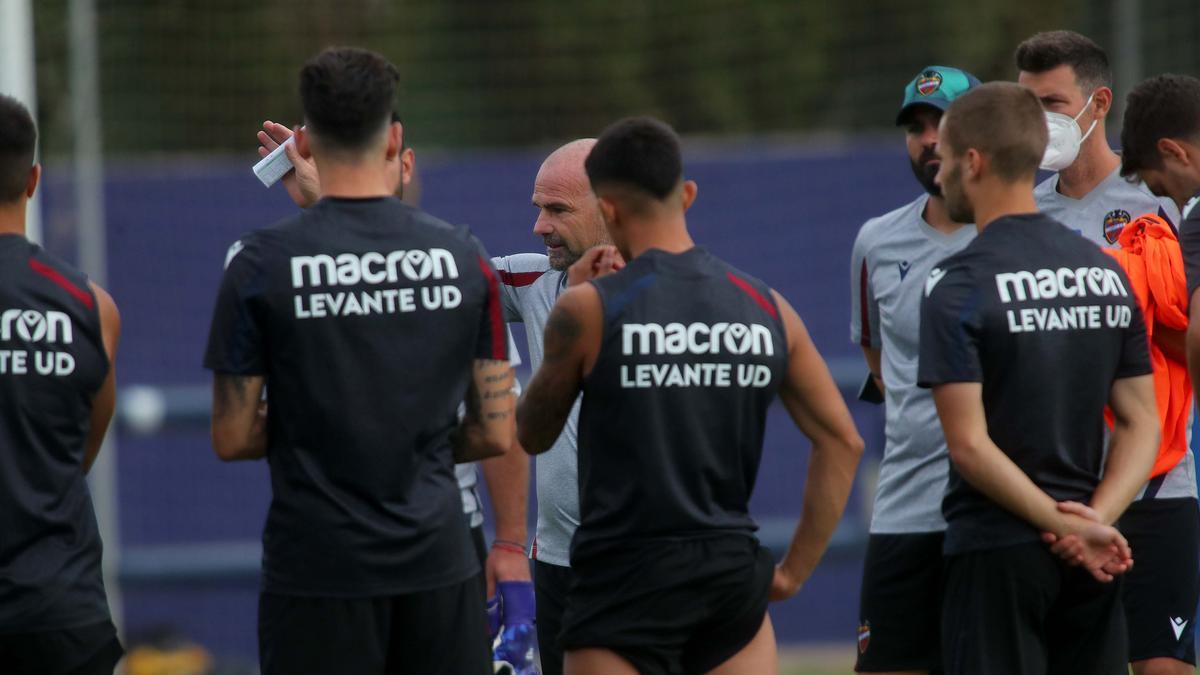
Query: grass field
[[833, 659]]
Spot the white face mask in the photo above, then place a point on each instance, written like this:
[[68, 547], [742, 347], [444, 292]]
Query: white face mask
[[1065, 138]]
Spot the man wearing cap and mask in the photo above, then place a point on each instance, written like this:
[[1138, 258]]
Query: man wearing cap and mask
[[900, 605], [1070, 75]]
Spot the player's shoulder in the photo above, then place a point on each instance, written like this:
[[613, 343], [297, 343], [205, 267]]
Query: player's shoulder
[[523, 263], [525, 271], [1047, 188], [739, 276], [880, 228], [49, 264], [959, 270], [252, 248]]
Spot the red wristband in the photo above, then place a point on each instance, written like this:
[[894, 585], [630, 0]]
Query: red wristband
[[510, 546]]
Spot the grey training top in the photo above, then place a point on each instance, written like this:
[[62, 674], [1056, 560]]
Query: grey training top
[[892, 257], [1100, 216], [528, 290]]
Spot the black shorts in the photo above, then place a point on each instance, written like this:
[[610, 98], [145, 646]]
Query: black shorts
[[1162, 589], [1018, 609], [900, 609], [550, 585], [669, 607], [86, 650], [443, 630]]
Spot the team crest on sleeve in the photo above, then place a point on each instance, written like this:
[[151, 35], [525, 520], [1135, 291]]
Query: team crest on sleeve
[[929, 82], [1114, 223], [864, 636]]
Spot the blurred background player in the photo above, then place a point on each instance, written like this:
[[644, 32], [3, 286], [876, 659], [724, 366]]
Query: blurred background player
[[1022, 359], [368, 563], [668, 574], [1160, 142], [900, 606], [58, 344], [1070, 75]]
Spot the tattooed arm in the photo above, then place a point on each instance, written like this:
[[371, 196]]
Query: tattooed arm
[[572, 342], [486, 429], [239, 417]]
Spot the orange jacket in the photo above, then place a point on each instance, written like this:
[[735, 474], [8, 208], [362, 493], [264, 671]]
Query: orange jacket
[[1153, 262]]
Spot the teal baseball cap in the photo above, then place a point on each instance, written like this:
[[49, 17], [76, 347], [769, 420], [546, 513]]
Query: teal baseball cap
[[935, 86]]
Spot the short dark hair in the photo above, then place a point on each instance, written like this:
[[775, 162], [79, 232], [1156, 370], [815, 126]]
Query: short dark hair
[[1166, 106], [1004, 122], [637, 152], [1049, 50], [18, 138], [347, 95]]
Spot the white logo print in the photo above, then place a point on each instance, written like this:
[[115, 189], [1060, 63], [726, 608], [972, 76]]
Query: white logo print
[[1047, 284], [373, 267], [1177, 625], [935, 275], [234, 249], [34, 326], [696, 338]]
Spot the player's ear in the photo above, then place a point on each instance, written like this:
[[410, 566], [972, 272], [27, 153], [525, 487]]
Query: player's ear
[[972, 163], [31, 183], [408, 164], [1172, 151], [395, 140], [302, 144], [1102, 101], [608, 210], [690, 189]]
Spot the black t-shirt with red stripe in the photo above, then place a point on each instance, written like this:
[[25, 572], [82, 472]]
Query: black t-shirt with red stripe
[[364, 316]]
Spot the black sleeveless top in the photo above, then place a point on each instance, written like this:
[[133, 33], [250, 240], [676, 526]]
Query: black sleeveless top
[[671, 425], [52, 363]]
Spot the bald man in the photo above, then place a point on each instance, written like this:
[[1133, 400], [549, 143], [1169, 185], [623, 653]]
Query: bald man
[[570, 224]]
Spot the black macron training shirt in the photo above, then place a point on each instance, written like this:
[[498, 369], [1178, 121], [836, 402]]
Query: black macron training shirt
[[1046, 322], [365, 316]]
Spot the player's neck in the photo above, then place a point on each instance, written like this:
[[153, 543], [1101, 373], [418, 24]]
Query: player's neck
[[1096, 162], [1003, 199], [1183, 194], [671, 237], [12, 217], [353, 181], [938, 217]]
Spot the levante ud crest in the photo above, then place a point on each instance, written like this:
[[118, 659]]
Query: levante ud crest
[[929, 82], [1114, 223]]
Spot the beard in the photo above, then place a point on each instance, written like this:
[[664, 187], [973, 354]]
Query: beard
[[561, 258], [958, 207], [925, 171]]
